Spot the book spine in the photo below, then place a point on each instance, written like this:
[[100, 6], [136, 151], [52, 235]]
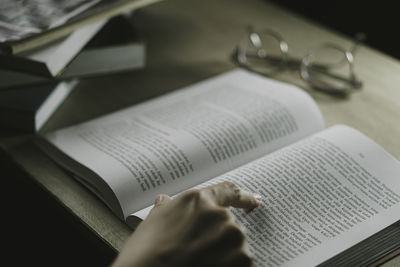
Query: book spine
[[26, 65]]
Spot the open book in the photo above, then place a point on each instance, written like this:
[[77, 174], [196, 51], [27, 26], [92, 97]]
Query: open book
[[323, 190]]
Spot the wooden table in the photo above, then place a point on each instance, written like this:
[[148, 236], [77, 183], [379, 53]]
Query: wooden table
[[188, 41]]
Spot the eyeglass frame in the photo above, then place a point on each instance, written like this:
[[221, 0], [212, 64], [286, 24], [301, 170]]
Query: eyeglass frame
[[303, 64]]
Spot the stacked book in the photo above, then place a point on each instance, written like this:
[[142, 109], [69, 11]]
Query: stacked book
[[46, 46]]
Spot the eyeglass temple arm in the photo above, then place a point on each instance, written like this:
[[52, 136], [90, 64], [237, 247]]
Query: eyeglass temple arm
[[290, 62], [358, 39]]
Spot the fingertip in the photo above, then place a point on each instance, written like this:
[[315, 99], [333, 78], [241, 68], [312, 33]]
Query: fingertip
[[229, 194], [160, 199], [249, 201], [258, 199]]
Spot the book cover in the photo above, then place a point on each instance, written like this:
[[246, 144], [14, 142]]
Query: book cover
[[29, 108], [117, 47], [50, 60], [76, 15]]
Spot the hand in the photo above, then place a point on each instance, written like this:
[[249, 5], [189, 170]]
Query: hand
[[194, 229]]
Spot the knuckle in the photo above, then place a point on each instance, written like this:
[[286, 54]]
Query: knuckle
[[193, 194], [215, 214], [235, 189], [230, 184], [213, 191], [237, 194], [240, 258], [235, 233], [245, 259], [223, 214]]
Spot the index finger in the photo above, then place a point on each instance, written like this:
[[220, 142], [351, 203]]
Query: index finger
[[229, 194]]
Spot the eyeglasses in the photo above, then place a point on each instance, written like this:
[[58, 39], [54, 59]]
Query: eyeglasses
[[328, 68]]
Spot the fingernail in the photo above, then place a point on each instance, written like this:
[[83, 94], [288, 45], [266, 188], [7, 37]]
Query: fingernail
[[159, 199], [258, 198]]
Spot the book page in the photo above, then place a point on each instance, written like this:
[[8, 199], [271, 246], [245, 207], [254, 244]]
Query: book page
[[182, 139], [321, 196], [21, 19]]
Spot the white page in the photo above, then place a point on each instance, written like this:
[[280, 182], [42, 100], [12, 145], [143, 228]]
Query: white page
[[321, 196], [58, 54], [53, 101], [182, 139]]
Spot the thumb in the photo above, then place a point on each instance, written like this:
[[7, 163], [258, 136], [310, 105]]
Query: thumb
[[161, 199]]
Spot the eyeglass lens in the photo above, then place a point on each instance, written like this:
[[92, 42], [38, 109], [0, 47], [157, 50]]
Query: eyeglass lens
[[263, 52], [327, 67]]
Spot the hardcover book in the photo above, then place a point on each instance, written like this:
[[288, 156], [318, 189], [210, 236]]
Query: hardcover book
[[29, 108], [27, 25], [50, 60], [116, 47]]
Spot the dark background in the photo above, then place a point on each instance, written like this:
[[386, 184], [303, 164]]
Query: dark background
[[39, 232], [379, 20]]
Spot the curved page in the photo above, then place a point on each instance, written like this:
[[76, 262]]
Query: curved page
[[176, 141], [321, 196]]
